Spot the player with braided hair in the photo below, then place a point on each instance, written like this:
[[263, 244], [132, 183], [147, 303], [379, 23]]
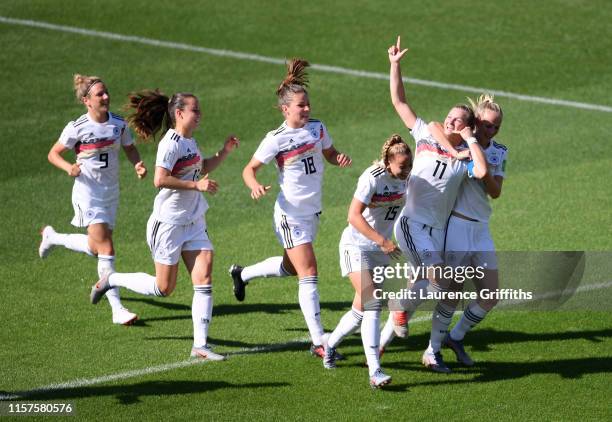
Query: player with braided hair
[[298, 147], [177, 227], [95, 137], [366, 244]]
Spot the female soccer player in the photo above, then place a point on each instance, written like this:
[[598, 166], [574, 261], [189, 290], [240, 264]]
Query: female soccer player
[[177, 227], [298, 146], [468, 238], [95, 138], [431, 193], [366, 244]]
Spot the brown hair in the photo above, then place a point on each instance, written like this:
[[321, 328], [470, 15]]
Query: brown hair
[[152, 109], [393, 146], [485, 102], [82, 84], [295, 82]]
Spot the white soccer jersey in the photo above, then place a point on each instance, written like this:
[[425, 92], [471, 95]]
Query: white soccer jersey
[[384, 196], [299, 159], [473, 201], [96, 146], [434, 181], [182, 158]]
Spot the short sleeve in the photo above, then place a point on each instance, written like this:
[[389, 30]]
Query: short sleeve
[[126, 136], [420, 130], [500, 169], [167, 154], [326, 140], [366, 187], [267, 150], [68, 138]]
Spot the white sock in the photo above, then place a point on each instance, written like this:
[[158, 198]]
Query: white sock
[[440, 320], [106, 263], [387, 334], [142, 283], [471, 316], [201, 313], [370, 336], [309, 303], [349, 322], [271, 267], [74, 242]]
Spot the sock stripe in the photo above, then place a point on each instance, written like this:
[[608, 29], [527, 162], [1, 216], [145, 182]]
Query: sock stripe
[[358, 316], [157, 291], [309, 280], [206, 289], [444, 312], [470, 316]]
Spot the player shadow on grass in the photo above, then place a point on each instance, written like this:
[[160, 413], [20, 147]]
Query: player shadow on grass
[[132, 393], [228, 309]]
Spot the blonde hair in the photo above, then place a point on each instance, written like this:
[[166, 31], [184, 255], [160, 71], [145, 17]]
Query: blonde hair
[[295, 82], [485, 102], [83, 84], [152, 110], [392, 146]]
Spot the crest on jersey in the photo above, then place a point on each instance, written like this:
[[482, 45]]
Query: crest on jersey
[[115, 131]]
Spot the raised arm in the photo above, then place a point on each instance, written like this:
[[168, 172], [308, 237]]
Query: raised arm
[[396, 86]]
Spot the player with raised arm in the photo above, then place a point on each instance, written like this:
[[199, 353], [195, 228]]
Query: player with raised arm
[[432, 189], [298, 148], [95, 138], [177, 227], [367, 243], [468, 238]]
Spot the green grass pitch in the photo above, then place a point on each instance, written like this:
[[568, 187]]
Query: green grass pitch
[[557, 196]]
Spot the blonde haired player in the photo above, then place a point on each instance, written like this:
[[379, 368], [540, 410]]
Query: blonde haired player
[[95, 137], [298, 147], [468, 238], [177, 227], [432, 189], [367, 243]]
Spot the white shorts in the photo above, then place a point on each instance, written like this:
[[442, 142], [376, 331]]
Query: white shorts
[[353, 259], [167, 241], [420, 243], [469, 243], [292, 232], [86, 214]]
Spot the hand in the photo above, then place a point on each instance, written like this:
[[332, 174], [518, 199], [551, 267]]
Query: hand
[[464, 155], [207, 185], [395, 52], [343, 160], [231, 143], [141, 170], [259, 191], [466, 133], [75, 170], [390, 248]]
